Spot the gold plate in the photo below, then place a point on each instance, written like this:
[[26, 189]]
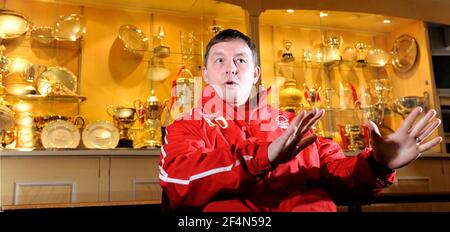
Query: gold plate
[[133, 38], [69, 27], [100, 135], [404, 53], [12, 24], [60, 134], [59, 75]]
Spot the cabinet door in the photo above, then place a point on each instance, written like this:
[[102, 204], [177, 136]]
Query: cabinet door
[[134, 179], [38, 180]]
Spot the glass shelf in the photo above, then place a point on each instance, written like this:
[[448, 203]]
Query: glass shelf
[[150, 52], [32, 42], [342, 65], [61, 98], [175, 57]]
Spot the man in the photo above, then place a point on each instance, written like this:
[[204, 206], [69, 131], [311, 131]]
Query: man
[[236, 153]]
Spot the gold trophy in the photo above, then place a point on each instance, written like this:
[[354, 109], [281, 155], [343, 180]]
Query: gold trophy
[[381, 88], [290, 97], [354, 137], [4, 62], [123, 118], [331, 43], [42, 121], [312, 95], [150, 136], [7, 125], [287, 55], [404, 105]]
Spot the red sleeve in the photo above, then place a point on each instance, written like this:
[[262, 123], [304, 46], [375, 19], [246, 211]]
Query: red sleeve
[[191, 173], [350, 179]]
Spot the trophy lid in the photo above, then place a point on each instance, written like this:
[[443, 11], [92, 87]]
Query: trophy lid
[[290, 83], [153, 107], [152, 101], [185, 73]]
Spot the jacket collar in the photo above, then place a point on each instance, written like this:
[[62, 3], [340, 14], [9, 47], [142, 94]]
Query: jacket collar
[[255, 109]]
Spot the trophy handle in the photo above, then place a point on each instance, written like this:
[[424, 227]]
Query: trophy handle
[[396, 107], [356, 102], [399, 109], [78, 121], [2, 135], [166, 107], [306, 93], [318, 89], [343, 135], [137, 104], [111, 110], [140, 110]]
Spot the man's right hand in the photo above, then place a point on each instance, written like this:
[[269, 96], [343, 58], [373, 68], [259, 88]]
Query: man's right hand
[[291, 142]]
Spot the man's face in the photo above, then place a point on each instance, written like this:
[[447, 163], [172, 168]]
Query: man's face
[[230, 70]]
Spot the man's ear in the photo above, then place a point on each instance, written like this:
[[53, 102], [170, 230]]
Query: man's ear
[[256, 74], [205, 75]]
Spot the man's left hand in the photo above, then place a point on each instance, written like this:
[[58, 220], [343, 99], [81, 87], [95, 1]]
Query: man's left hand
[[406, 144]]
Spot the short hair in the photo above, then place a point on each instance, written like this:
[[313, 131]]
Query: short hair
[[229, 35]]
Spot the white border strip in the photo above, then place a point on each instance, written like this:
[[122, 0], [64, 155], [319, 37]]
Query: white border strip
[[194, 177]]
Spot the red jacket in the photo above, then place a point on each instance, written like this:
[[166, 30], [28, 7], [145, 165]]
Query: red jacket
[[206, 158]]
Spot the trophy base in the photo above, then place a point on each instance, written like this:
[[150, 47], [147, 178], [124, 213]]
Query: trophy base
[[126, 143], [148, 144]]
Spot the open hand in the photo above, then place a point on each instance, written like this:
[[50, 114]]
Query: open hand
[[291, 142], [405, 145]]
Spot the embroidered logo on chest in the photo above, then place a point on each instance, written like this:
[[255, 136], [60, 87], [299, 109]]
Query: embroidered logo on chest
[[218, 121], [282, 121]]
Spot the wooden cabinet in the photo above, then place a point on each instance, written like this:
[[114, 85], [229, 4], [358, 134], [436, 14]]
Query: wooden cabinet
[[45, 177], [32, 180], [134, 178]]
